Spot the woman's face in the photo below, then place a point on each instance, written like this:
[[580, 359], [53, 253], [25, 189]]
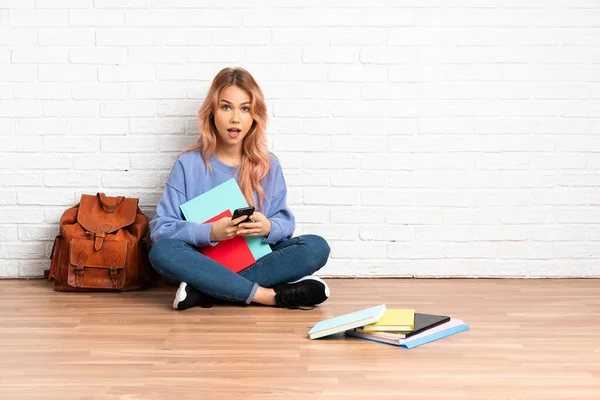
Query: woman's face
[[232, 117]]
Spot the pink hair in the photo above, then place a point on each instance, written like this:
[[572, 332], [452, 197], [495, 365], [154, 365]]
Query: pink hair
[[255, 155]]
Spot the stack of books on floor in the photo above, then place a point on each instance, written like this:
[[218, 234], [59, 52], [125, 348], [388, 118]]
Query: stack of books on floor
[[399, 327]]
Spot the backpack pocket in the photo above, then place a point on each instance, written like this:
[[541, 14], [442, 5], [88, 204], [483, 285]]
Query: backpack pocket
[[97, 269]]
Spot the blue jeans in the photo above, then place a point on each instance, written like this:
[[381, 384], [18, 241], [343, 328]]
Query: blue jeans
[[290, 260]]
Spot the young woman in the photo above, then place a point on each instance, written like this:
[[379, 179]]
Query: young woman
[[232, 143]]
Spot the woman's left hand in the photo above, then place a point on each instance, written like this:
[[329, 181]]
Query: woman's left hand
[[260, 227]]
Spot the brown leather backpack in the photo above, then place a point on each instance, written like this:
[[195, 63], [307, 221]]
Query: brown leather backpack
[[101, 246]]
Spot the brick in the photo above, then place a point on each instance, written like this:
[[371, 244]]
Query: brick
[[41, 161], [103, 91], [123, 37], [330, 161], [148, 126], [102, 162], [387, 197], [399, 251], [67, 73], [22, 143], [305, 179], [41, 91], [21, 250], [68, 144], [352, 214], [97, 55], [344, 232], [45, 196], [183, 18], [71, 179], [182, 37], [445, 268], [125, 144], [443, 233], [99, 126], [300, 37], [38, 18], [174, 143], [356, 73], [37, 233], [526, 250], [126, 73], [500, 233], [9, 268], [66, 37], [96, 18], [21, 215], [358, 179], [178, 108], [388, 162], [357, 144], [331, 90], [19, 179], [471, 250], [183, 72], [120, 3], [157, 90], [70, 108], [498, 268], [555, 269], [557, 233], [356, 249], [157, 55], [330, 55], [128, 108], [40, 4], [133, 178], [242, 37], [387, 233], [331, 196], [20, 108], [300, 143], [33, 268], [268, 55], [8, 197], [152, 161], [40, 55], [18, 37]]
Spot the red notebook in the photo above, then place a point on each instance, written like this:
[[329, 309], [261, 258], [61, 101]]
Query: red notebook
[[233, 253]]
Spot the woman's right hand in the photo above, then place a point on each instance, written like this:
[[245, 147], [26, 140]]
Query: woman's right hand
[[225, 228]]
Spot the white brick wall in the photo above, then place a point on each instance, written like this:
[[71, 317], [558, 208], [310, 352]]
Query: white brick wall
[[421, 139]]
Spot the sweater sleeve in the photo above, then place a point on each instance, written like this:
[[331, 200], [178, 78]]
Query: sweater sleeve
[[283, 222], [168, 222]]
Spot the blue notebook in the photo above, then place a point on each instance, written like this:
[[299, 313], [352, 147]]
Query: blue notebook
[[226, 196], [409, 344], [347, 321]]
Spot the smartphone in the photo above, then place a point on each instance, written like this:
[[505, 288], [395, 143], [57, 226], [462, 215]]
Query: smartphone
[[247, 211]]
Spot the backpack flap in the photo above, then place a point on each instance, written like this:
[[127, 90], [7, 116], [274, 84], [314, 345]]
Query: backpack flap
[[101, 214], [97, 268]]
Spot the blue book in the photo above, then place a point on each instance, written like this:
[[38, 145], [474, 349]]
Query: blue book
[[226, 196], [347, 321], [418, 340]]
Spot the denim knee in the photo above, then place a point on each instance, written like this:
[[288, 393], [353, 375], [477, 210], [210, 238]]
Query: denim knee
[[319, 249]]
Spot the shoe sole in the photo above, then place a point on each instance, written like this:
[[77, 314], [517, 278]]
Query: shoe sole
[[327, 292], [180, 295]]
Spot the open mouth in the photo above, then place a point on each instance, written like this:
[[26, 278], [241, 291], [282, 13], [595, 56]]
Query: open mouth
[[233, 132]]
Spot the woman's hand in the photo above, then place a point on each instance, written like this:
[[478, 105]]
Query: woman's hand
[[260, 227], [224, 228]]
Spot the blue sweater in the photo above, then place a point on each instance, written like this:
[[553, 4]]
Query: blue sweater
[[190, 178]]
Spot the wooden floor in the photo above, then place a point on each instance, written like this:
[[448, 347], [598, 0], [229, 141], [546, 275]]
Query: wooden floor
[[529, 339]]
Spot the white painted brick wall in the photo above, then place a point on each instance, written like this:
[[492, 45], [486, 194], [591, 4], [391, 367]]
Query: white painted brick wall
[[447, 139]]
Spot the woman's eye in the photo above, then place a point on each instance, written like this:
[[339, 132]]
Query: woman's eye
[[245, 109], [225, 107]]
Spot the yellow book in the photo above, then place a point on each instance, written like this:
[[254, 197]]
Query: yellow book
[[394, 320]]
